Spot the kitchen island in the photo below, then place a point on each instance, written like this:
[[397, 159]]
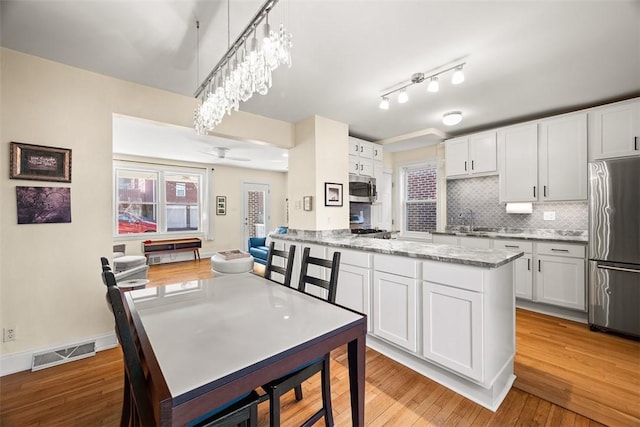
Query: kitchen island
[[445, 311]]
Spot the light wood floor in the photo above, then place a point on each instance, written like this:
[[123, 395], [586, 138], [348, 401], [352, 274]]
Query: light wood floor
[[594, 374]]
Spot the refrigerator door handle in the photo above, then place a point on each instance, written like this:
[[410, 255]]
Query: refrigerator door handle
[[628, 270]]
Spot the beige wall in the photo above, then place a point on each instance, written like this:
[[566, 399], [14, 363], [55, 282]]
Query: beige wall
[[321, 154], [49, 273]]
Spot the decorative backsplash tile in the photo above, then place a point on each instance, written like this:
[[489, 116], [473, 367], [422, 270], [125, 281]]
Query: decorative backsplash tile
[[481, 195]]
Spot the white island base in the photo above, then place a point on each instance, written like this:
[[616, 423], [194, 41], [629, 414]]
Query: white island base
[[490, 397], [444, 311]]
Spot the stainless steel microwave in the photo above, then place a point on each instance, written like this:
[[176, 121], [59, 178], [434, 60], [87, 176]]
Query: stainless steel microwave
[[362, 189]]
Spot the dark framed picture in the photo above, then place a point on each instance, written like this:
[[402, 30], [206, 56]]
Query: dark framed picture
[[40, 163], [221, 205], [40, 205], [332, 194]]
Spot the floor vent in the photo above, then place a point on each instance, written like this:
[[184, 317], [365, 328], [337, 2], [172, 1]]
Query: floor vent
[[51, 358]]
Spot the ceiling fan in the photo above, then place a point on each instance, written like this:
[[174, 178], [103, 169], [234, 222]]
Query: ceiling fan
[[221, 153]]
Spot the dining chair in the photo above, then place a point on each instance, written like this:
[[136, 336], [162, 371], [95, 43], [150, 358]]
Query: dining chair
[[242, 410], [288, 261], [293, 380]]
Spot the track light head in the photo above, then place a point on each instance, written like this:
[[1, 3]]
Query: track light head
[[403, 96], [458, 76], [434, 85], [384, 104]]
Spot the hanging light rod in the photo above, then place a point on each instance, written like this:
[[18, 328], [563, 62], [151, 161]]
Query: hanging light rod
[[433, 86], [250, 28]]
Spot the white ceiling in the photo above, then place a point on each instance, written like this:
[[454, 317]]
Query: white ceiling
[[525, 59]]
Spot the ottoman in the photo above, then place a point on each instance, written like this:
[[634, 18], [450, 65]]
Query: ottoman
[[128, 262], [231, 266]]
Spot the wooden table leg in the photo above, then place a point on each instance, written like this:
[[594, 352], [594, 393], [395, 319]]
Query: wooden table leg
[[356, 355]]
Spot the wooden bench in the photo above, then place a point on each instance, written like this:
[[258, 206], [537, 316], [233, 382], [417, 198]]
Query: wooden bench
[[152, 247]]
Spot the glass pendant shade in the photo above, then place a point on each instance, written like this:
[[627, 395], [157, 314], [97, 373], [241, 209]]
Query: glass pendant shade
[[434, 85], [384, 104], [458, 76], [403, 96]]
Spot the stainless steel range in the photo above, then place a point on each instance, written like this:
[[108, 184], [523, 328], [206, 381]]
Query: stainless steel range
[[371, 232]]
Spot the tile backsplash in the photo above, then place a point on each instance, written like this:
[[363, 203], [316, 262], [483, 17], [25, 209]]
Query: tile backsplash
[[481, 196]]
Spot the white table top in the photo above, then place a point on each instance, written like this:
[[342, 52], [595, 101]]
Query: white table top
[[203, 330]]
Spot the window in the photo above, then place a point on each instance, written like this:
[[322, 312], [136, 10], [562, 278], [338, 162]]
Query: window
[[419, 198], [158, 199]]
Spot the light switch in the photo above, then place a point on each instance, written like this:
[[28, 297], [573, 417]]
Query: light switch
[[549, 216]]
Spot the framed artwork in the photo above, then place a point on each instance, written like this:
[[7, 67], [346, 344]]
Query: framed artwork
[[307, 203], [40, 205], [332, 194], [221, 205], [37, 162]]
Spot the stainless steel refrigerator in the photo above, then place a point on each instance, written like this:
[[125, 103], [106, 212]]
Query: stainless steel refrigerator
[[614, 245]]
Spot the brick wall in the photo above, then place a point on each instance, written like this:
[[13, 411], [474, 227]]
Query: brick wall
[[256, 211], [422, 185]]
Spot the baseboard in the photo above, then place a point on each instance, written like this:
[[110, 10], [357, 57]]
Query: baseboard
[[17, 362], [550, 310]]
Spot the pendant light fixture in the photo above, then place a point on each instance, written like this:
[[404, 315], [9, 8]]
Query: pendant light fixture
[[235, 78], [433, 86]]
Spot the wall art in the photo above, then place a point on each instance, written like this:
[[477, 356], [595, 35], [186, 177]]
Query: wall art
[[332, 194], [221, 205], [40, 205], [40, 163]]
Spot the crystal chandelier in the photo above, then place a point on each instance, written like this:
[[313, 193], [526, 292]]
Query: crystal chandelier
[[245, 69]]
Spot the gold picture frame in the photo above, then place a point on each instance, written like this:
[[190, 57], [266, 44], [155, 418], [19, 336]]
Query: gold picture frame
[[39, 163]]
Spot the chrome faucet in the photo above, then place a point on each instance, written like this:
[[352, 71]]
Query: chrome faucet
[[469, 217]]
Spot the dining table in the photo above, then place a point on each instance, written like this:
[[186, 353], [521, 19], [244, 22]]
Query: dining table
[[206, 342]]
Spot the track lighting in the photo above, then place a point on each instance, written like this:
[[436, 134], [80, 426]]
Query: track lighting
[[452, 118], [433, 85], [458, 76], [403, 96]]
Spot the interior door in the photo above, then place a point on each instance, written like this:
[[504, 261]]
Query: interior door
[[255, 210]]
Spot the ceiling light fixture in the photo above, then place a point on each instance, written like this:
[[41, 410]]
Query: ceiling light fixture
[[403, 96], [384, 104], [242, 71], [452, 118], [433, 86]]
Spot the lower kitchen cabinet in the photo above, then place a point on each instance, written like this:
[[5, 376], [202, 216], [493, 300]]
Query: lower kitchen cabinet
[[522, 267], [451, 312], [395, 309], [561, 281], [354, 290]]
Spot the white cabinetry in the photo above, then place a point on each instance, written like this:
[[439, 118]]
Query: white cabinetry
[[363, 156], [395, 302], [518, 163], [522, 267], [562, 163], [462, 302], [354, 281], [560, 275], [614, 130], [448, 312], [471, 155]]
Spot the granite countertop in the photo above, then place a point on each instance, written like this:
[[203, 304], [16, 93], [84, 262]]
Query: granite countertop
[[566, 236], [487, 258]]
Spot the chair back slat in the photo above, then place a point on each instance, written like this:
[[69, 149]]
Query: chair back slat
[[330, 285], [285, 271], [132, 362]]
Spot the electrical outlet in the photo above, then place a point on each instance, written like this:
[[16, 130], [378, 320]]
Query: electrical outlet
[[9, 334], [549, 216]]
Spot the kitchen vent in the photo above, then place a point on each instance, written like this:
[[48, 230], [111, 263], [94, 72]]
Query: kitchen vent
[[51, 358]]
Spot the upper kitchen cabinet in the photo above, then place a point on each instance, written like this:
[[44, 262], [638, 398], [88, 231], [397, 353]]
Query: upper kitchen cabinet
[[614, 130], [518, 163], [471, 155], [562, 161], [362, 156]]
